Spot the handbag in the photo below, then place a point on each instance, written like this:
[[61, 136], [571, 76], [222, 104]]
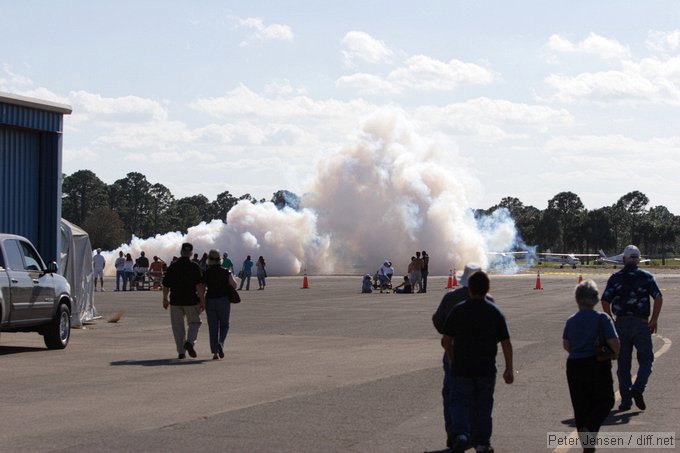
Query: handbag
[[233, 295], [603, 352]]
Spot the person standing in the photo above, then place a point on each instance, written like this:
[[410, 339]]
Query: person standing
[[476, 327], [450, 300], [120, 270], [261, 272], [217, 303], [590, 382], [184, 283], [226, 262], [628, 296], [426, 270], [246, 273], [128, 272], [418, 273], [98, 265]]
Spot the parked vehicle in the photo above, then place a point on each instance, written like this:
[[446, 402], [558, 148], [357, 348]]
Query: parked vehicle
[[33, 297]]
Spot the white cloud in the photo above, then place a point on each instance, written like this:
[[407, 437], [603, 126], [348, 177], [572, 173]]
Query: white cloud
[[367, 84], [594, 44], [428, 74], [647, 81], [276, 32], [243, 101], [420, 73], [661, 41], [493, 120], [359, 45], [125, 108]]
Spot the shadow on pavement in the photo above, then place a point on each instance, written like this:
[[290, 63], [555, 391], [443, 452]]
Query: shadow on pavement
[[159, 362], [4, 350], [615, 417]]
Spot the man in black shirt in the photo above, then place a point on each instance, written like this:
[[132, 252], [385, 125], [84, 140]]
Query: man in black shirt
[[476, 327], [184, 283]]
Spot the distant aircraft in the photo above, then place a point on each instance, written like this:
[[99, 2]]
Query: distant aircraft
[[572, 259], [618, 259]]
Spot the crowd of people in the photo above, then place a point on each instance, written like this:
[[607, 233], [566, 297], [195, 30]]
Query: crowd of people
[[631, 304], [592, 339], [415, 279]]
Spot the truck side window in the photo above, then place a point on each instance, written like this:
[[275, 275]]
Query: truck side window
[[14, 255], [31, 260]]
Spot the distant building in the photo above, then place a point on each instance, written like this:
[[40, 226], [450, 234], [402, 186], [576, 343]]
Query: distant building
[[30, 170]]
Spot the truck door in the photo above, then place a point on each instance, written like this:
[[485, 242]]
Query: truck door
[[32, 291]]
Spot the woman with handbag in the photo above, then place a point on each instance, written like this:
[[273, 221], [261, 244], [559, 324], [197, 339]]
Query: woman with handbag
[[217, 302], [587, 334]]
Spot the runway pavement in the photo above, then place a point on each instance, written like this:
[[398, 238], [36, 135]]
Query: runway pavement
[[324, 369]]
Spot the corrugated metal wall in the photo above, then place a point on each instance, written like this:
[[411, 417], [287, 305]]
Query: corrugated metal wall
[[30, 175]]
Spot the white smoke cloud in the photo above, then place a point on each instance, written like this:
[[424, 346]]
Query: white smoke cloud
[[390, 193]]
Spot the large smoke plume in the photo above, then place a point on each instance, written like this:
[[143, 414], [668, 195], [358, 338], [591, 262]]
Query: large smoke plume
[[387, 195]]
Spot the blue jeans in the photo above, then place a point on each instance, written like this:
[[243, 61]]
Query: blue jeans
[[633, 333], [217, 311], [472, 404], [246, 279], [128, 278], [119, 275]]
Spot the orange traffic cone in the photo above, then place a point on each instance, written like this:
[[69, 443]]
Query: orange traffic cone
[[449, 285], [538, 280], [455, 280], [580, 279], [305, 282]]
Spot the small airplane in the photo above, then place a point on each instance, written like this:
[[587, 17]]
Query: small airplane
[[572, 259], [617, 259]]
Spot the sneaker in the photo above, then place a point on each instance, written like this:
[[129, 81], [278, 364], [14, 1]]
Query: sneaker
[[190, 349], [460, 444], [181, 356], [215, 357], [625, 406], [638, 398], [220, 350], [484, 449]]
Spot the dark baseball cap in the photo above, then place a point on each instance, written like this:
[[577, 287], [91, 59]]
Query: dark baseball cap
[[187, 247]]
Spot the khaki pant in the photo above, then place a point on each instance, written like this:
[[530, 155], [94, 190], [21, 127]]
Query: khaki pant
[[177, 315]]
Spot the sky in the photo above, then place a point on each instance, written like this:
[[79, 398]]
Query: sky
[[532, 98]]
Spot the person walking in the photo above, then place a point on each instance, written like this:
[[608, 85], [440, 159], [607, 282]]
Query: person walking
[[450, 300], [246, 273], [590, 381], [476, 327], [628, 296], [261, 272], [98, 265], [184, 283], [217, 303]]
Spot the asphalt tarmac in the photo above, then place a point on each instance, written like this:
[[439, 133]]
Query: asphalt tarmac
[[324, 369]]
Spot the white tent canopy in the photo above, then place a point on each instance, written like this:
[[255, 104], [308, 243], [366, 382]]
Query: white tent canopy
[[76, 267]]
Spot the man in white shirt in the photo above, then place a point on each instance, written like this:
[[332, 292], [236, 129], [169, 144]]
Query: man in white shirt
[[98, 264]]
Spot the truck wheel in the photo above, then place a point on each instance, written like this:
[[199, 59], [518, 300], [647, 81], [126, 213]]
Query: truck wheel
[[58, 332]]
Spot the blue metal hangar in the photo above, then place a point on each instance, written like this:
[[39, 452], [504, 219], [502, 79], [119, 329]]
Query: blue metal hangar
[[30, 170]]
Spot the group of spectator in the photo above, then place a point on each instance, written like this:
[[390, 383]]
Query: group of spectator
[[472, 325], [416, 278]]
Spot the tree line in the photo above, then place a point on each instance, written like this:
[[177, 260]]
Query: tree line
[[111, 214]]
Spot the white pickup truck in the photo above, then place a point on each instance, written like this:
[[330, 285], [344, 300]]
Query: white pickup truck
[[33, 297]]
